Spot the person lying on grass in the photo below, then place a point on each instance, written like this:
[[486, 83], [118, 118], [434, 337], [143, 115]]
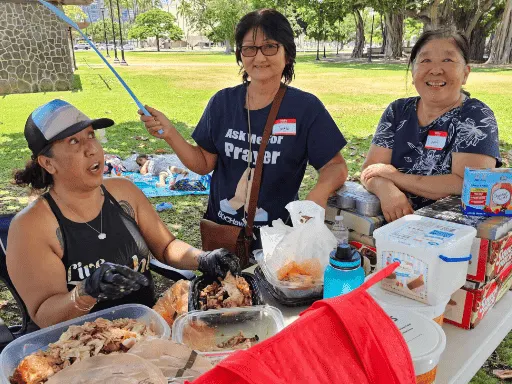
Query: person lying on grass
[[159, 166]]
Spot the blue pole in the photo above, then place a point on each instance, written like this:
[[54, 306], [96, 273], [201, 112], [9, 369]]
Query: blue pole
[[66, 19]]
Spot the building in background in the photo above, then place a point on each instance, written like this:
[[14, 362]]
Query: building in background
[[93, 11], [35, 48], [192, 38]]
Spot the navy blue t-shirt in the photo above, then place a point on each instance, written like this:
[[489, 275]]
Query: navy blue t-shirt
[[469, 128], [304, 132]]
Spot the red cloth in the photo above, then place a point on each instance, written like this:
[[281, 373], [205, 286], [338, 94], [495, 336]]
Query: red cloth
[[347, 339]]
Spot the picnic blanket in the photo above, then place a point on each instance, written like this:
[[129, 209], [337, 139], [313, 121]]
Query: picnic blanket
[[147, 183]]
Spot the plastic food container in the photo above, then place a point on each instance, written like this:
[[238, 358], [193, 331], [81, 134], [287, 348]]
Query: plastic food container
[[426, 341], [433, 255], [199, 283], [288, 289], [17, 350], [264, 285], [354, 196], [205, 330], [368, 205], [389, 299]]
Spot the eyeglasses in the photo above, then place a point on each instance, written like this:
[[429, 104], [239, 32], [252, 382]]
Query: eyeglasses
[[267, 50]]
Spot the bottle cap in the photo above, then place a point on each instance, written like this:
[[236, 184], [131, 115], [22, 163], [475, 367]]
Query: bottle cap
[[339, 217], [345, 253]]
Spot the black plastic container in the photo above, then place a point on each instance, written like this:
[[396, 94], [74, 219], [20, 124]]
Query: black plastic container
[[278, 296], [199, 283]]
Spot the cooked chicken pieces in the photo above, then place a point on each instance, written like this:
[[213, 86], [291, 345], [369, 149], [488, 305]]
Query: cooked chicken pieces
[[233, 291], [99, 337]]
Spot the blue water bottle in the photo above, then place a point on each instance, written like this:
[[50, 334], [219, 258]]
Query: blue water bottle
[[344, 272]]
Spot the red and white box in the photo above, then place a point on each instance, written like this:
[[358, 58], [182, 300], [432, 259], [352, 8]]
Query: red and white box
[[489, 258], [366, 251], [467, 307]]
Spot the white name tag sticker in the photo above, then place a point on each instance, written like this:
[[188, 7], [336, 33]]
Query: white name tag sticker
[[285, 127], [436, 140]]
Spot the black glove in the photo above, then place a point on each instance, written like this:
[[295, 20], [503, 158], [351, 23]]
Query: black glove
[[218, 262], [113, 281]]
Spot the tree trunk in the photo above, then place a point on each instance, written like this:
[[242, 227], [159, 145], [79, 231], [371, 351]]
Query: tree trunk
[[501, 50], [466, 19], [228, 47], [359, 44], [438, 14], [394, 34], [477, 46], [157, 44], [383, 29]]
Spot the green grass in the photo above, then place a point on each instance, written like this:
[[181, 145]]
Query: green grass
[[180, 84]]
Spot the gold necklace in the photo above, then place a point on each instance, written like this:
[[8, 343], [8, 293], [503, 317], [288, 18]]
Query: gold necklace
[[101, 234]]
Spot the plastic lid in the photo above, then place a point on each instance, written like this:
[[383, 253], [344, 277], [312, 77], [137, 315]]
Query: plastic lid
[[388, 298], [345, 253], [425, 338], [424, 232]]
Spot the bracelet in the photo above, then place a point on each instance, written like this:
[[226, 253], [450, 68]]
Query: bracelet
[[75, 296]]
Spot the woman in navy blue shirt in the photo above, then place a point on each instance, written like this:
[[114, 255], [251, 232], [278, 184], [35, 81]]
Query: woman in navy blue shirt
[[228, 136], [422, 144]]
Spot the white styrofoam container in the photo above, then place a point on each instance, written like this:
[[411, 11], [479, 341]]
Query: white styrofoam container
[[389, 299], [18, 349], [425, 339], [433, 254]]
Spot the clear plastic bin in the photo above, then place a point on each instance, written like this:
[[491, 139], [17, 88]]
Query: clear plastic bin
[[20, 348], [289, 289], [205, 330], [433, 254]]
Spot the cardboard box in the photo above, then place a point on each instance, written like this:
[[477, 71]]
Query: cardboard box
[[330, 213], [489, 258], [492, 248], [505, 283], [467, 307], [359, 237], [368, 252], [362, 224], [487, 192], [449, 209]]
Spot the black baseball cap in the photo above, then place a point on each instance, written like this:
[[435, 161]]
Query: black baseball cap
[[57, 120]]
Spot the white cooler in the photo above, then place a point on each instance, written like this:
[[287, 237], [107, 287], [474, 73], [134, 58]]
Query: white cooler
[[433, 254]]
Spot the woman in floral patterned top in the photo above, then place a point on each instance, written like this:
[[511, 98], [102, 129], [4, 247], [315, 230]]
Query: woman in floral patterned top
[[422, 144]]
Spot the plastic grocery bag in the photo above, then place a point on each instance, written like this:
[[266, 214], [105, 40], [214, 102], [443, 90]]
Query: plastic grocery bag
[[301, 250]]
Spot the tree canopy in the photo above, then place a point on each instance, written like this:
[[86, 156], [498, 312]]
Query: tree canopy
[[155, 23]]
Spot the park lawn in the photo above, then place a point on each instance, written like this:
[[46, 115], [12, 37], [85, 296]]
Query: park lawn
[[180, 84]]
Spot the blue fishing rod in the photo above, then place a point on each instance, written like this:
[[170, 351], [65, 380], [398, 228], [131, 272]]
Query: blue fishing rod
[[61, 15]]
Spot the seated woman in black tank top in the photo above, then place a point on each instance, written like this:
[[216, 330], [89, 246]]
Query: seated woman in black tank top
[[86, 244]]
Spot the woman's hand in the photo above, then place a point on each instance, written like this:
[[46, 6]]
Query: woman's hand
[[395, 204], [219, 262], [113, 281], [383, 170], [393, 201], [158, 125]]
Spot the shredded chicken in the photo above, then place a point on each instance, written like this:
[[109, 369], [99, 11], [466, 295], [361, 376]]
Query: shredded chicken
[[238, 342], [79, 342], [233, 291]]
